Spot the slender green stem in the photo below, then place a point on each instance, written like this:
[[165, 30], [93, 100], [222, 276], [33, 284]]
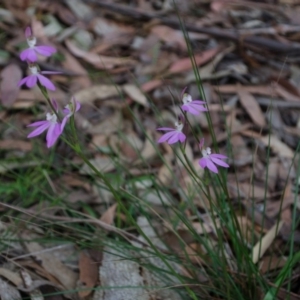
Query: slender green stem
[[45, 94]]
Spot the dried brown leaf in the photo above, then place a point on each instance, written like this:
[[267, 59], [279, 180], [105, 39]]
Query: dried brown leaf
[[41, 271], [256, 90], [10, 76], [97, 92], [246, 228], [282, 92], [34, 95], [65, 14], [98, 141], [218, 6], [109, 30], [108, 126], [154, 197], [8, 166], [72, 64], [183, 157], [263, 244], [277, 146], [88, 275], [169, 35], [80, 9], [74, 181], [8, 292], [135, 94], [241, 154], [252, 107], [116, 272], [148, 152], [271, 262], [207, 71], [151, 85], [185, 64], [102, 164], [15, 145], [206, 227], [127, 147], [51, 264], [11, 276], [288, 85], [250, 190], [274, 208], [109, 215], [272, 170], [165, 173], [34, 293], [98, 61]]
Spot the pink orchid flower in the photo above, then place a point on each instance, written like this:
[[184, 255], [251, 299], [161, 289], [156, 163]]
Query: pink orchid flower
[[210, 160], [30, 54], [50, 124], [194, 107], [35, 76], [174, 135], [69, 111]]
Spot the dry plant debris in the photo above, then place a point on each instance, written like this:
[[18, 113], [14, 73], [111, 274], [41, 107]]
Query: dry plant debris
[[129, 58]]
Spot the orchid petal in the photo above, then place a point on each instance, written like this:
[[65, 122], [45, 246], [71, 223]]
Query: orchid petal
[[211, 166], [174, 138], [63, 124], [31, 55], [78, 105], [221, 156], [51, 72], [58, 130], [165, 128], [219, 162], [182, 92], [36, 124], [46, 82], [39, 130], [22, 81], [28, 32], [55, 105], [31, 81], [201, 143], [203, 162], [193, 108], [198, 107], [45, 50], [24, 54], [72, 108], [53, 133], [182, 137], [190, 109], [66, 111], [165, 137]]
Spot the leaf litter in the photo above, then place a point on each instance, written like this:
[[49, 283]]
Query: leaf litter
[[120, 59]]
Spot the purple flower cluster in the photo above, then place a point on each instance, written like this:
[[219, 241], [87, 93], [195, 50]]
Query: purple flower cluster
[[36, 76], [194, 107], [174, 135], [52, 124], [210, 160], [55, 129], [30, 55]]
